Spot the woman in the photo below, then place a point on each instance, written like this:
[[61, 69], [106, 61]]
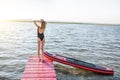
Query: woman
[[41, 25]]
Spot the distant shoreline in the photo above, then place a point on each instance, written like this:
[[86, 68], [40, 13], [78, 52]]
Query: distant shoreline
[[89, 23]]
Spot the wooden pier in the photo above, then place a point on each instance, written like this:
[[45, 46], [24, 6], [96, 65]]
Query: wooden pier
[[36, 70]]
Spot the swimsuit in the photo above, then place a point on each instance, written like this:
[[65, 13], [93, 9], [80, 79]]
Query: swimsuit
[[40, 35]]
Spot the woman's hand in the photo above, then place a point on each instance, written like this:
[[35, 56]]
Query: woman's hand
[[37, 23]]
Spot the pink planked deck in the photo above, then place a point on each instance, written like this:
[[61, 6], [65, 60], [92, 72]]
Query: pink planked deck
[[35, 70]]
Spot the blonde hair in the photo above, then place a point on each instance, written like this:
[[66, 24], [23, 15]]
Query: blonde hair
[[43, 24]]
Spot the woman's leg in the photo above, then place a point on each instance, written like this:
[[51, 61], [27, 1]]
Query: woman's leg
[[42, 48], [39, 48]]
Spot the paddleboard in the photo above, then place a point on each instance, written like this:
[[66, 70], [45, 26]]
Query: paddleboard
[[79, 64]]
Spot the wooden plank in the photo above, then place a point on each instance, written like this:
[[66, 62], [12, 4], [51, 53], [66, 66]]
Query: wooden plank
[[36, 70], [41, 75], [39, 66], [38, 79]]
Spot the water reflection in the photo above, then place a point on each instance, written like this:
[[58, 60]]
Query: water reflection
[[97, 44]]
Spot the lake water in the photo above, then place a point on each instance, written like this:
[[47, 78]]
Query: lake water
[[98, 44]]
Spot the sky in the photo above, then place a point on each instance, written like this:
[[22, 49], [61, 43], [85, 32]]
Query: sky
[[89, 11]]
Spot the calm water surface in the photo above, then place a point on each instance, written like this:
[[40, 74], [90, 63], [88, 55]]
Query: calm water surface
[[98, 44]]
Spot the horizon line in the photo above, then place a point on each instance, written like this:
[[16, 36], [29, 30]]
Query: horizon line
[[64, 22]]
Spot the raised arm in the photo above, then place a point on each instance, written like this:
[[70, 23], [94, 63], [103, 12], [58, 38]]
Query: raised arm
[[37, 23]]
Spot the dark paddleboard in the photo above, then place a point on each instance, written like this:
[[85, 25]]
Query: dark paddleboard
[[79, 64]]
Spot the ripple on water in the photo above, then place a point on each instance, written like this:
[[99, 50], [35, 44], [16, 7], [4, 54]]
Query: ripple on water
[[65, 72], [92, 43]]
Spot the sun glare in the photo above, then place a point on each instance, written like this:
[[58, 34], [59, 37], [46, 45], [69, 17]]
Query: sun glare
[[9, 16], [8, 9], [81, 10]]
